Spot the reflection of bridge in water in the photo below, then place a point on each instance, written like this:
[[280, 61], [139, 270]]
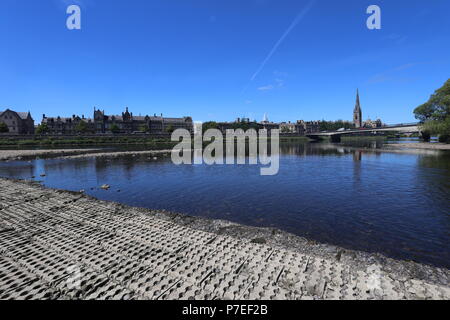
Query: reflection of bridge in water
[[335, 136]]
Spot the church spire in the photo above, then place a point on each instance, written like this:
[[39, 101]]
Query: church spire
[[357, 113], [358, 104]]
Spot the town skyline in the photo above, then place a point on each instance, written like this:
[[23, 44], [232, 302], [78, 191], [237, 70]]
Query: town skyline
[[265, 118], [18, 122]]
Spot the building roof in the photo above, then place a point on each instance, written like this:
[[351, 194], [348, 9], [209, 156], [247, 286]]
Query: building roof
[[143, 118], [65, 120], [175, 119], [139, 118], [116, 117], [21, 115]]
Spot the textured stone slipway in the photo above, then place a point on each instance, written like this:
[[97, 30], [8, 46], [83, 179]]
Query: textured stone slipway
[[50, 239]]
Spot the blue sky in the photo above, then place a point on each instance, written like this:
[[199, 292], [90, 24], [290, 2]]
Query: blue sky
[[222, 59]]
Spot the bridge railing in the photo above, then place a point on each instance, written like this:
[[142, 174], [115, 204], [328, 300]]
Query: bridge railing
[[402, 125]]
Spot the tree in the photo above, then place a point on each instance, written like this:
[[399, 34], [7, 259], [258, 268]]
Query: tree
[[437, 107], [42, 128], [440, 128], [115, 128], [334, 125], [81, 127], [424, 112], [246, 126], [209, 125], [170, 128], [144, 128], [3, 127], [435, 113], [285, 130]]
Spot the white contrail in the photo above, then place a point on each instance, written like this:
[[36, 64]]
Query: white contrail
[[286, 33]]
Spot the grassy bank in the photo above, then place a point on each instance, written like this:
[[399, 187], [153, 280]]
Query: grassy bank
[[85, 141], [102, 141]]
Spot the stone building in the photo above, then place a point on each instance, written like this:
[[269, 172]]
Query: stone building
[[129, 123], [126, 123], [291, 127], [357, 113], [17, 122], [299, 128], [308, 126], [267, 125], [67, 126], [373, 124]]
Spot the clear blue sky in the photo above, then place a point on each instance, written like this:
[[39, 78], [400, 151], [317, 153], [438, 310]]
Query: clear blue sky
[[202, 57]]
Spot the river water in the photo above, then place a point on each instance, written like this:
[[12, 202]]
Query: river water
[[352, 195]]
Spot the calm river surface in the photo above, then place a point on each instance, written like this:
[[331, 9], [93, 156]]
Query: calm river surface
[[392, 203]]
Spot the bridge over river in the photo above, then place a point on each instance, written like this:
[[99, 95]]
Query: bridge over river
[[335, 136]]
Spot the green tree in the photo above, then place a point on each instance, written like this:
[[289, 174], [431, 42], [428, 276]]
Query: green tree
[[246, 126], [170, 128], [115, 128], [3, 127], [440, 128], [42, 128], [334, 125], [81, 127], [424, 112], [437, 107], [435, 113], [209, 125], [144, 128]]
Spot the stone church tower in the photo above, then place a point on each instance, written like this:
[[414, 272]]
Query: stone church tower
[[357, 113]]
